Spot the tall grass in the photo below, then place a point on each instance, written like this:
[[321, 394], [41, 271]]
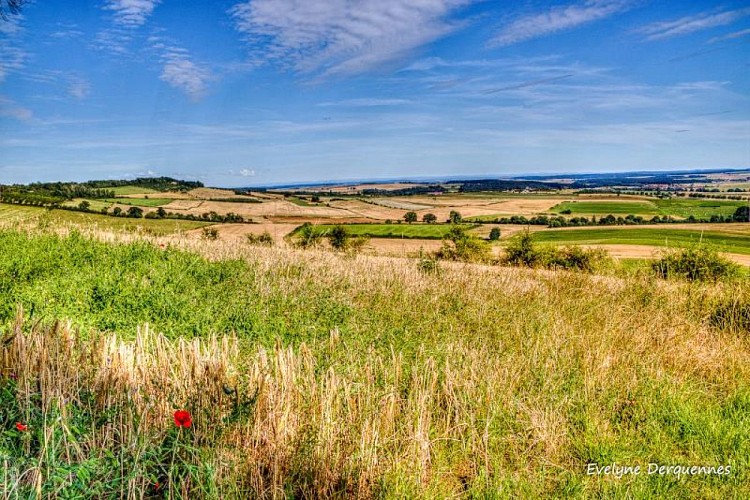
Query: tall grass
[[339, 376]]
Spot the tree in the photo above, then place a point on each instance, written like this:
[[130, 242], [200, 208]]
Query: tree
[[161, 213], [429, 218], [339, 237], [135, 212], [742, 214], [410, 217], [84, 205], [454, 217], [117, 211], [495, 234], [10, 7]]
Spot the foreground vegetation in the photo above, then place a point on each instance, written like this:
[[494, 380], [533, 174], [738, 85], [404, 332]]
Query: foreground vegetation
[[332, 375]]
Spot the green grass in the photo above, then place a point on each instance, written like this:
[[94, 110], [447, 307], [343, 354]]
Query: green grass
[[140, 202], [607, 207], [476, 382], [644, 235], [410, 231], [56, 217], [121, 190], [675, 207]]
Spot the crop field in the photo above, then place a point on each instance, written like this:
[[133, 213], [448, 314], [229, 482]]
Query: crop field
[[417, 231], [126, 190], [659, 237], [683, 208], [15, 213], [318, 373], [140, 202]]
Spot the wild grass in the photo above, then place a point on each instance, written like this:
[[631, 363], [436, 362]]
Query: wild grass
[[418, 231], [312, 374]]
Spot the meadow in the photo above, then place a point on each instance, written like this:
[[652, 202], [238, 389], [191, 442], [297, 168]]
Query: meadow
[[415, 231], [47, 217], [311, 374], [734, 242], [674, 207]]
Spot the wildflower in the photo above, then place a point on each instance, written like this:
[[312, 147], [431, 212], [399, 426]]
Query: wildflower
[[182, 418], [21, 427], [161, 245]]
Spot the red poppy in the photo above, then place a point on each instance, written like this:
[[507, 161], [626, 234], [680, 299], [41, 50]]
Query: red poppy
[[162, 245], [21, 427], [182, 419]]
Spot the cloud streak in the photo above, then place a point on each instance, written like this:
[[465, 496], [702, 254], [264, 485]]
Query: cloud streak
[[342, 37], [691, 24], [557, 19]]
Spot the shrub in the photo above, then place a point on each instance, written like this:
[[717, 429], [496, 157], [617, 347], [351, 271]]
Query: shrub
[[135, 212], [410, 217], [522, 251], [210, 233], [458, 244], [495, 234], [699, 262], [264, 239], [429, 218], [339, 237], [309, 236]]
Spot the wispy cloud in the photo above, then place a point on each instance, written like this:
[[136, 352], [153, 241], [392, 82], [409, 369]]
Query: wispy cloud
[[10, 109], [131, 13], [79, 87], [558, 19], [365, 102], [341, 37], [691, 24], [730, 36], [182, 73]]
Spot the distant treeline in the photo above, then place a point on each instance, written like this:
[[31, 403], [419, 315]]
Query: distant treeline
[[507, 185], [52, 194], [740, 215]]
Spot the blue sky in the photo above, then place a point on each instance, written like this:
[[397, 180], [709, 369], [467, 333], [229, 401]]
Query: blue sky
[[281, 91]]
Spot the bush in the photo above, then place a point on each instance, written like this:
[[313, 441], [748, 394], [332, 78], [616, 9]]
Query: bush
[[309, 236], [210, 233], [264, 239], [522, 251], [698, 262], [458, 244], [495, 234]]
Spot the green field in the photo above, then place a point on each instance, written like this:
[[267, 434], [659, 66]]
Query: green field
[[153, 226], [121, 190], [644, 235], [410, 231], [140, 202], [358, 377], [675, 207]]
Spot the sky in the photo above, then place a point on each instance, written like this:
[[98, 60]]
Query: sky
[[263, 92]]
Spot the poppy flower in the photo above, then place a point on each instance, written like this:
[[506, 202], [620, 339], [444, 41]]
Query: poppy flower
[[21, 427], [161, 245], [182, 419]]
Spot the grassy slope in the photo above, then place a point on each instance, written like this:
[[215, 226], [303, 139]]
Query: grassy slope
[[10, 213], [416, 231], [644, 235], [140, 202], [676, 207], [479, 381], [119, 190]]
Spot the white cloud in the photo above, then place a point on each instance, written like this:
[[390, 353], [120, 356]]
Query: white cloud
[[690, 24], [247, 173], [79, 88], [182, 73], [13, 110], [342, 36], [558, 19], [131, 13], [730, 36]]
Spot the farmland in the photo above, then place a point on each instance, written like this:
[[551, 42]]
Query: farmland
[[358, 368], [682, 208]]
